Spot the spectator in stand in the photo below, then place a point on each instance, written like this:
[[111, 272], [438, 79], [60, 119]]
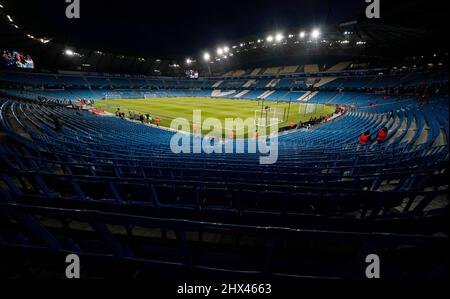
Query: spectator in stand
[[141, 118], [365, 138], [382, 134], [338, 109], [422, 94], [118, 112], [56, 123], [426, 96]]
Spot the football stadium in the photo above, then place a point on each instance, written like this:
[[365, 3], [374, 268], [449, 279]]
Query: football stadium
[[254, 141]]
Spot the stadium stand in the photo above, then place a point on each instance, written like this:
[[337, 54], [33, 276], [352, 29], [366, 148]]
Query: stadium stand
[[256, 71], [238, 73], [228, 74], [272, 71], [288, 69], [322, 97], [339, 66], [311, 68], [324, 81], [111, 187], [200, 146]]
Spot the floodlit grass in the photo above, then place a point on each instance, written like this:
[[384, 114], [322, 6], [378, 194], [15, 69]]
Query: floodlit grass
[[168, 109]]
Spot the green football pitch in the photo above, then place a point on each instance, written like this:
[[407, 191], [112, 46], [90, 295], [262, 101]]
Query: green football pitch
[[168, 109]]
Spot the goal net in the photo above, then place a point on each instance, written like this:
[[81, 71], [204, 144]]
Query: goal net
[[269, 117], [307, 108], [150, 95], [112, 96]]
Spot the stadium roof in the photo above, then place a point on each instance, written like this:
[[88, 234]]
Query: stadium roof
[[156, 37]]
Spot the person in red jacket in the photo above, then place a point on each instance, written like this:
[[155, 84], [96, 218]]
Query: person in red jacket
[[365, 138], [231, 135], [382, 134]]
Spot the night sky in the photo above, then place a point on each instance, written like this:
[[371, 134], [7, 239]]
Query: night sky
[[173, 28]]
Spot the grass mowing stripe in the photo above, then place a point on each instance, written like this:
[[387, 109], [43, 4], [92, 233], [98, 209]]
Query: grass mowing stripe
[[168, 109]]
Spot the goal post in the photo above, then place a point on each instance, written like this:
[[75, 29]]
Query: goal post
[[150, 95], [269, 117], [307, 108], [112, 96]]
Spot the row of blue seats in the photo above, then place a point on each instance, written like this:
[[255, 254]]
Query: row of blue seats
[[289, 144], [88, 81], [108, 187], [189, 247]]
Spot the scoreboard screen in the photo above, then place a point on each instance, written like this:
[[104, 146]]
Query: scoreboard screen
[[192, 74], [16, 59]]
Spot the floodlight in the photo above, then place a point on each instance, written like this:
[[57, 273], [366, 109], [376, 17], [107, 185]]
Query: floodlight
[[188, 61], [302, 34], [269, 38], [219, 51], [279, 37], [315, 34], [206, 56], [69, 52]]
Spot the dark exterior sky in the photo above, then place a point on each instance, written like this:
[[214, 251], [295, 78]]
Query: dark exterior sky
[[173, 28]]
